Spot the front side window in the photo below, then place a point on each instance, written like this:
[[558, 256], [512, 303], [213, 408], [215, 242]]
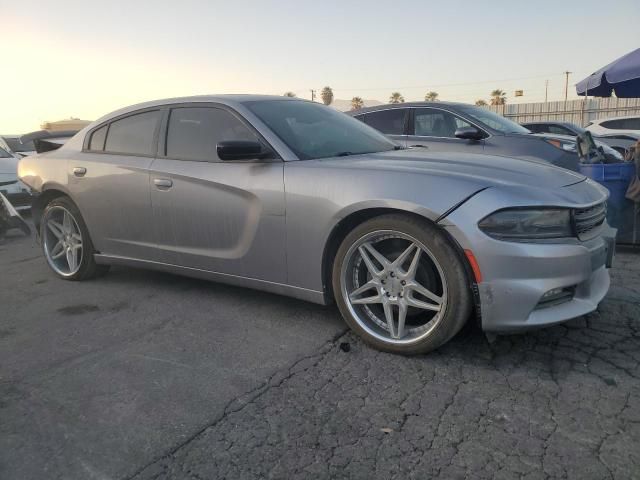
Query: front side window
[[17, 146], [431, 122], [389, 122], [315, 131], [194, 133], [134, 134]]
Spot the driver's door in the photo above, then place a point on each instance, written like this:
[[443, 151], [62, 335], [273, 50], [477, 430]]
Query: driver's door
[[219, 216]]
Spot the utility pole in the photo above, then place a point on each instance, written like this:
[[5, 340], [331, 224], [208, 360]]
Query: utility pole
[[313, 95], [546, 90], [566, 85]]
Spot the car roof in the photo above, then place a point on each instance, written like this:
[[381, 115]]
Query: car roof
[[556, 122], [388, 106], [600, 120], [227, 99]]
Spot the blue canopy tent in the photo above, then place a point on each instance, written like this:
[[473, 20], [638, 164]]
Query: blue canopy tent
[[621, 76]]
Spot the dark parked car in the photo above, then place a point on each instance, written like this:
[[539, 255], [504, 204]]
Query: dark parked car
[[446, 126]]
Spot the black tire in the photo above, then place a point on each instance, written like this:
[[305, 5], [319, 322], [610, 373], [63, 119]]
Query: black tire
[[456, 311], [88, 268]]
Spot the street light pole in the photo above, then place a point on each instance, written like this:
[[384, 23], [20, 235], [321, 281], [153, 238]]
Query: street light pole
[[313, 95], [566, 85]]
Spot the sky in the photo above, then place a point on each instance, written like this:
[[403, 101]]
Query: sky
[[86, 58]]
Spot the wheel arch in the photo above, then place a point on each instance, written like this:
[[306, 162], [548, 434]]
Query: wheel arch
[[48, 193], [342, 228]]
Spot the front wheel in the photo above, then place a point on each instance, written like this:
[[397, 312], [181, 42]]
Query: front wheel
[[66, 243], [401, 285]]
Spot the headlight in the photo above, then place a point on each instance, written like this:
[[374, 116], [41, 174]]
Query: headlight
[[521, 224], [566, 145]]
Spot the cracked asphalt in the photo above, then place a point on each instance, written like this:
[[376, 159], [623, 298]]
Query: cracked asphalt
[[562, 402]]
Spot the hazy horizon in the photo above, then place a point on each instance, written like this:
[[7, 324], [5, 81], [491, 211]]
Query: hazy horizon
[[85, 59]]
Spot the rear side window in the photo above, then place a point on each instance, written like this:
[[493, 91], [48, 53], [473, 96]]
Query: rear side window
[[559, 130], [133, 135], [535, 128], [97, 139], [193, 133], [389, 122], [613, 124]]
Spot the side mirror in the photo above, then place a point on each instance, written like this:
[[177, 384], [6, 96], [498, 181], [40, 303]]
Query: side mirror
[[469, 133], [587, 149], [241, 150]]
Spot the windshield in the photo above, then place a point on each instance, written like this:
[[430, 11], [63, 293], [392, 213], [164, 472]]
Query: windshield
[[17, 146], [312, 130], [493, 120]]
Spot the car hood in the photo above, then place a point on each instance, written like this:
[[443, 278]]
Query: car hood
[[9, 165], [484, 170]]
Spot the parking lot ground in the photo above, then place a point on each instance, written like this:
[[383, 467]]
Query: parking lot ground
[[151, 376]]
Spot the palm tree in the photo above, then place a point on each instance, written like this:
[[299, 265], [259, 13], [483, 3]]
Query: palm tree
[[481, 103], [357, 103], [327, 95], [431, 97], [396, 97], [289, 94], [498, 97]]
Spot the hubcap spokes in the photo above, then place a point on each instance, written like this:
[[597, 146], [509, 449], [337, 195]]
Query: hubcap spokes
[[64, 249], [394, 286]]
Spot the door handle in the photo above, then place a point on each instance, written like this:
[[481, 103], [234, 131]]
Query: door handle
[[79, 171], [162, 183]]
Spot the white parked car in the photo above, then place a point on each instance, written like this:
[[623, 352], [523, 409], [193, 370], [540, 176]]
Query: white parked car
[[18, 194], [606, 126]]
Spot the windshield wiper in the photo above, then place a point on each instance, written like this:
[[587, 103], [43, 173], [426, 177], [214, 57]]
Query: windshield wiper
[[344, 154], [399, 147]]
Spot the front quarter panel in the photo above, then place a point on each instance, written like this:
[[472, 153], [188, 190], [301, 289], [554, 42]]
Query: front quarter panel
[[318, 197]]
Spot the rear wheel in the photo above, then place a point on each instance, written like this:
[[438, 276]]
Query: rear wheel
[[66, 243], [401, 285]]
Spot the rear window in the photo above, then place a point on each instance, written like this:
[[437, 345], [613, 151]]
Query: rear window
[[623, 124], [134, 134]]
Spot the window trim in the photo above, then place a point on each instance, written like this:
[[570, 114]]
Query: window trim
[[164, 132], [107, 123], [413, 124]]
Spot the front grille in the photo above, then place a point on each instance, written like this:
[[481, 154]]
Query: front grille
[[587, 221]]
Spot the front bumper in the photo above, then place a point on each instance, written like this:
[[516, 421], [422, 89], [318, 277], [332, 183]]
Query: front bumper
[[516, 276]]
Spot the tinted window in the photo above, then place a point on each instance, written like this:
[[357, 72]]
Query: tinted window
[[312, 131], [535, 127], [614, 124], [559, 130], [389, 122], [4, 153], [134, 134], [194, 132], [430, 122], [98, 138], [632, 123]]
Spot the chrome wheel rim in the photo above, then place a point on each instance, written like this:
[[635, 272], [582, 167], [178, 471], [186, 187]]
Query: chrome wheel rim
[[394, 287], [62, 241]]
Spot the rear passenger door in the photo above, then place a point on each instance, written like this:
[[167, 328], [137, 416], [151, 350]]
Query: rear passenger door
[[109, 180], [214, 215], [435, 129], [392, 122]]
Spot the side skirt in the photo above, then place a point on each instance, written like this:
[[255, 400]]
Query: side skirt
[[263, 285]]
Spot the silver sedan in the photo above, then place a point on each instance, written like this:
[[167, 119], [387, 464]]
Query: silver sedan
[[295, 198]]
